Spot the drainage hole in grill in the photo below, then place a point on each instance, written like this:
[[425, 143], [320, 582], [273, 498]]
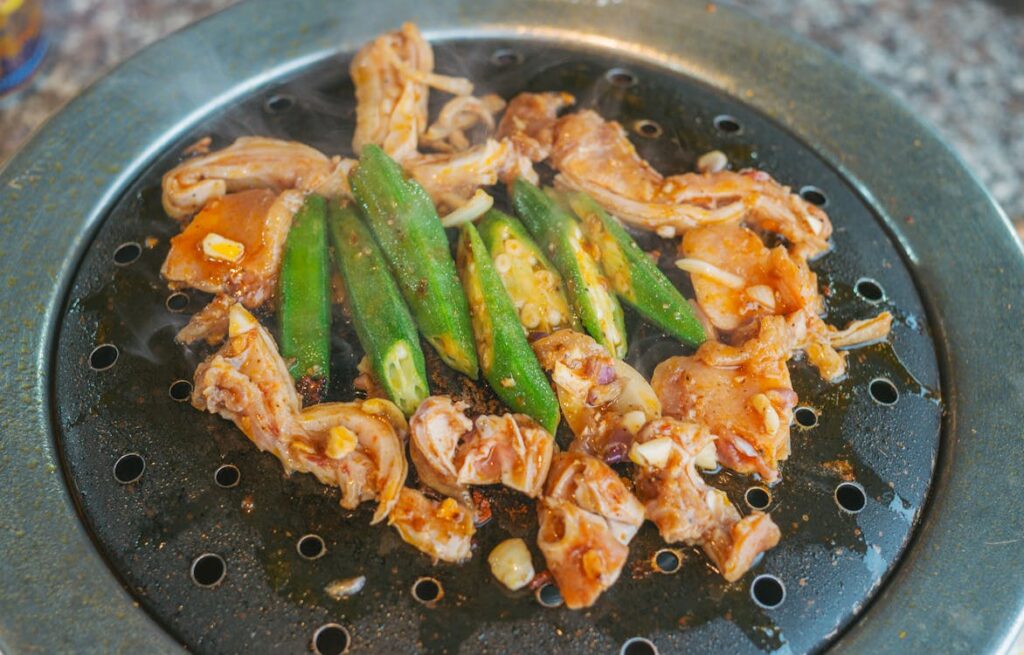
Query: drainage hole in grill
[[127, 253], [548, 595], [208, 570], [177, 302], [667, 561], [647, 128], [331, 639], [850, 497], [227, 476], [869, 290], [767, 591], [427, 591], [620, 77], [311, 546], [129, 468], [278, 104], [638, 646], [806, 417], [103, 356], [814, 195], [180, 390], [758, 498], [727, 124], [883, 391], [505, 57]]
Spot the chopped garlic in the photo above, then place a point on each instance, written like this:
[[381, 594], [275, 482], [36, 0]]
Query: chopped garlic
[[340, 442], [762, 294], [511, 563], [763, 405], [708, 270], [653, 453], [666, 231], [221, 248], [339, 589], [707, 458], [476, 207], [240, 320], [449, 509], [712, 162], [634, 421]]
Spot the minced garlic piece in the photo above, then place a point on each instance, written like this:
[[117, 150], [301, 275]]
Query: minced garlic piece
[[222, 249], [340, 442], [240, 320], [653, 453], [448, 510]]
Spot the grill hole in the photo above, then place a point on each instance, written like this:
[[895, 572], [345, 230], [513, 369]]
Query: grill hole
[[758, 498], [103, 356], [767, 591], [331, 639], [883, 391], [278, 104], [127, 253], [727, 124], [180, 390], [647, 128], [814, 195], [428, 591], [311, 546], [869, 290], [506, 57], [638, 646], [227, 476], [667, 561], [850, 497], [177, 302], [548, 595], [620, 77], [129, 468], [806, 417], [208, 570]]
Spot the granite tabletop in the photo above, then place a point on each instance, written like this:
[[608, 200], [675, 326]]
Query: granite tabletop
[[957, 63]]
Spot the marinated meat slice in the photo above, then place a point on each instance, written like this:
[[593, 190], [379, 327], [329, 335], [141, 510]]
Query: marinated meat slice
[[529, 122], [822, 342], [460, 115], [512, 449], [596, 156], [738, 279], [452, 179], [359, 451], [595, 487], [442, 529], [603, 399], [210, 323], [580, 549], [256, 224], [354, 446], [392, 76], [685, 509], [252, 162], [743, 395], [450, 451]]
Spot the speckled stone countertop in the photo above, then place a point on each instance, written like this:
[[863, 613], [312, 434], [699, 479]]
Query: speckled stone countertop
[[957, 63]]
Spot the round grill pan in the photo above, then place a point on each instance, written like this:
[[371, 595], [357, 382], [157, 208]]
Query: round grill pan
[[114, 494]]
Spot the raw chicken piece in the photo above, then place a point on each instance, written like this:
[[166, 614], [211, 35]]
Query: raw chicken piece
[[595, 156], [392, 75], [686, 509], [512, 449], [354, 446], [580, 549], [459, 115], [451, 179], [442, 529], [743, 395], [259, 220], [604, 400], [450, 451], [252, 162], [595, 487], [529, 122], [737, 279]]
